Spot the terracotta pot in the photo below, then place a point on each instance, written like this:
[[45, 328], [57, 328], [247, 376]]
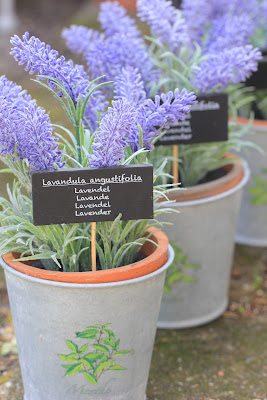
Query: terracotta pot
[[205, 230], [252, 224], [128, 4], [86, 326]]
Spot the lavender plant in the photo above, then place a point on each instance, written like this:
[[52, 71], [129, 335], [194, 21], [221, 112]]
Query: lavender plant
[[29, 142], [231, 23], [217, 17], [185, 51], [206, 64]]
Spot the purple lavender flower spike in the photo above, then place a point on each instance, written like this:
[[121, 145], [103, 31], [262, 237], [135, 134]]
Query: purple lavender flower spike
[[165, 22], [202, 14], [114, 19], [13, 92], [125, 42], [129, 86], [7, 128], [35, 140], [107, 54], [25, 129], [93, 46], [164, 111], [225, 28], [40, 59], [78, 37], [111, 138], [230, 66], [13, 99], [197, 14]]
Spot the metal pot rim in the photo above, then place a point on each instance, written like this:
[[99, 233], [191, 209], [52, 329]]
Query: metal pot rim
[[233, 181], [170, 258]]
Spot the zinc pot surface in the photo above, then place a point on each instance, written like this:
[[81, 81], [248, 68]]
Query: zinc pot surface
[[204, 229], [252, 224], [48, 313]]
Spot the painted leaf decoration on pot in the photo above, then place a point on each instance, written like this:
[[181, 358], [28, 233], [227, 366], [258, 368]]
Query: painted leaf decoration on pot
[[91, 378], [83, 348], [87, 334], [74, 369], [68, 358], [87, 363], [100, 367], [109, 333], [93, 327], [92, 357], [117, 368], [101, 347], [72, 346], [121, 353], [100, 360], [65, 366], [110, 343]]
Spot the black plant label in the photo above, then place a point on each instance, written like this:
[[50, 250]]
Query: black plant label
[[92, 194], [206, 123], [258, 78]]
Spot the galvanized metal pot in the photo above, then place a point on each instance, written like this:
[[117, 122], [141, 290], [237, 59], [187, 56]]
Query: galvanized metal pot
[[87, 340], [204, 229], [252, 224]]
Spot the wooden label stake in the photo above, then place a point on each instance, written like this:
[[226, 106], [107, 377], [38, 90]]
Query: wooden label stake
[[175, 164], [93, 245]]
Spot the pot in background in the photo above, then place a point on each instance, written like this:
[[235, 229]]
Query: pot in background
[[252, 224], [204, 229]]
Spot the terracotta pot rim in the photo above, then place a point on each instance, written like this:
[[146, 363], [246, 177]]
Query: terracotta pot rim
[[256, 122], [156, 258], [235, 174]]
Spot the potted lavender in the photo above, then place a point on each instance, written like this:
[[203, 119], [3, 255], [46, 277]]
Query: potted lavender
[[76, 289], [251, 19], [180, 54]]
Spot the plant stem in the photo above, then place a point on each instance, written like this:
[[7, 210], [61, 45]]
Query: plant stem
[[77, 134]]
